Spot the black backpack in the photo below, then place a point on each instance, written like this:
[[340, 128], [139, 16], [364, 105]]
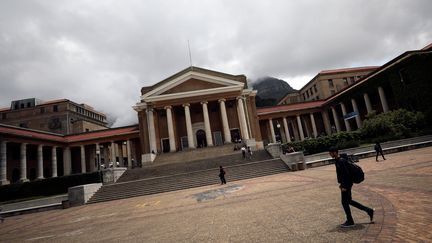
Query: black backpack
[[355, 172]]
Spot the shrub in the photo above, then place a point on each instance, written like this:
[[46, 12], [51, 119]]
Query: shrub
[[392, 125], [46, 187], [321, 144]]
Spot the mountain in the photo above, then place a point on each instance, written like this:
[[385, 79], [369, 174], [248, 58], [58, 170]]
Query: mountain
[[270, 90]]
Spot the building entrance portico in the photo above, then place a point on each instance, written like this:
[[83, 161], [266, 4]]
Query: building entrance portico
[[196, 108]]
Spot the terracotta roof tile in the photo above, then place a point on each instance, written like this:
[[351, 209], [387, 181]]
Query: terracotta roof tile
[[102, 133], [345, 70], [290, 107]]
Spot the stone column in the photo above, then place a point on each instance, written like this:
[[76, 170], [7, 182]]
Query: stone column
[[3, 163], [225, 124], [67, 161], [242, 118], [151, 129], [54, 161], [300, 127], [128, 152], [83, 160], [40, 162], [191, 142], [336, 120], [355, 109], [347, 125], [273, 136], [287, 133], [326, 121], [367, 102], [207, 124], [113, 154], [170, 129], [383, 99], [314, 129], [23, 162]]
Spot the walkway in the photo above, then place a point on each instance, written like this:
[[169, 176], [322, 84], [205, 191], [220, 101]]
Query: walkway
[[302, 206]]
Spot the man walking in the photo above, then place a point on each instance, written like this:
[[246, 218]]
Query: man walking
[[346, 183], [243, 150], [378, 150], [222, 175]]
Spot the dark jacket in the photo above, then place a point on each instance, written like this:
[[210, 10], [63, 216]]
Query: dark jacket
[[221, 172], [342, 173]]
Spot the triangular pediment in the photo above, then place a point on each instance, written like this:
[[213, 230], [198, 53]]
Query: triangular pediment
[[192, 82]]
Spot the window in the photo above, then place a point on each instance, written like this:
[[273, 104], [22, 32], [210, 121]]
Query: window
[[315, 88], [28, 104], [4, 116], [317, 97], [55, 108], [330, 82], [307, 94], [345, 81], [352, 80], [22, 105], [304, 97], [87, 130], [42, 110], [23, 125], [311, 91]]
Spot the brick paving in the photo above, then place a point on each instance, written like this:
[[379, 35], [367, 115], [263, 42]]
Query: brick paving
[[303, 206]]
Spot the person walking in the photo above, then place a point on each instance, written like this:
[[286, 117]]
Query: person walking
[[222, 175], [243, 150], [378, 150], [345, 184], [249, 150]]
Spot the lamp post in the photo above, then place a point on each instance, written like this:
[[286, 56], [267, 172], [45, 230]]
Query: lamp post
[[99, 164], [279, 133]]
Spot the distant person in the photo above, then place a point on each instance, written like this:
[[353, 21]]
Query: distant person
[[222, 175], [1, 218], [249, 150], [243, 150], [291, 149], [345, 185], [378, 150]]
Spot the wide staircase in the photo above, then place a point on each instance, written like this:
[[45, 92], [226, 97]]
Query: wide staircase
[[178, 176]]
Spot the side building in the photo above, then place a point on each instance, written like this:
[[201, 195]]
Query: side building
[[56, 116], [327, 83]]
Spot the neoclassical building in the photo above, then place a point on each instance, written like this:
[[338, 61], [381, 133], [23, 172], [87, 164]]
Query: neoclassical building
[[196, 108]]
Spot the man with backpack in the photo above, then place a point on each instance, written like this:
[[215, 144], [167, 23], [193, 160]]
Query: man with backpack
[[347, 174]]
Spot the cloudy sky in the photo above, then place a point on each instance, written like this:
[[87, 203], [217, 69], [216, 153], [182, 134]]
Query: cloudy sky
[[102, 52]]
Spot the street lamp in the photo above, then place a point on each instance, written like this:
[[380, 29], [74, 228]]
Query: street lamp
[[279, 134], [99, 164]]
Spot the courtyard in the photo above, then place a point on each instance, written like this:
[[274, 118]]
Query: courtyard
[[300, 206]]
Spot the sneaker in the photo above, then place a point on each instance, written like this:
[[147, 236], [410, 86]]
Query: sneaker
[[347, 225], [371, 214]]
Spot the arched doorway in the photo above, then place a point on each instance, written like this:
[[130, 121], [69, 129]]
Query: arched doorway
[[201, 139]]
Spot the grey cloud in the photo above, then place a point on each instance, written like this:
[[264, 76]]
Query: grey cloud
[[102, 52]]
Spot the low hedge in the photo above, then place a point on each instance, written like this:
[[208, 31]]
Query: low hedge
[[46, 187], [342, 140]]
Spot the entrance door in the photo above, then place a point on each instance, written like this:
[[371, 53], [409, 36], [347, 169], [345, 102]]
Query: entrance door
[[218, 138], [201, 139], [165, 145], [235, 134]]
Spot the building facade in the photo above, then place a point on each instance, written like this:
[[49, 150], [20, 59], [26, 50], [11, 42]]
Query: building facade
[[404, 82], [196, 108], [57, 116], [327, 83]]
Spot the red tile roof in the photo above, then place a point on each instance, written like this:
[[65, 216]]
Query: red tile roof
[[346, 70], [290, 107], [102, 133], [36, 134], [29, 133]]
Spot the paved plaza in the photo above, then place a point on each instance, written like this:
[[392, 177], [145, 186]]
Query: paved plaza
[[301, 206]]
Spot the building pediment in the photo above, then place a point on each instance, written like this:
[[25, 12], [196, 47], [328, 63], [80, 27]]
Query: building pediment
[[192, 83]]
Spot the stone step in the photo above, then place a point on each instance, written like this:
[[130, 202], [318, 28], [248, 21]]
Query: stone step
[[190, 166], [195, 154], [117, 196], [168, 183]]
